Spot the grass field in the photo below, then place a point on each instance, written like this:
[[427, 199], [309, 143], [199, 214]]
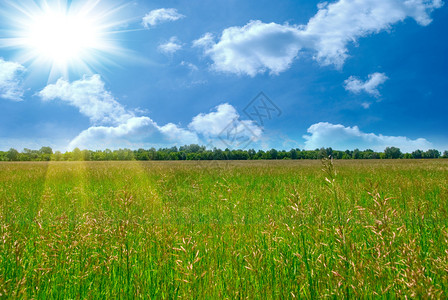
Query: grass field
[[256, 229]]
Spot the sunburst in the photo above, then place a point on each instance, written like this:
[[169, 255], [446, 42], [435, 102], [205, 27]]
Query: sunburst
[[64, 37]]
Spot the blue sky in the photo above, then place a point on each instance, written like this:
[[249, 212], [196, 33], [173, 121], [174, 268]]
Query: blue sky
[[344, 74]]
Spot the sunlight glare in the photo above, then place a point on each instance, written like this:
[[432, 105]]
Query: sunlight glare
[[62, 38], [65, 37]]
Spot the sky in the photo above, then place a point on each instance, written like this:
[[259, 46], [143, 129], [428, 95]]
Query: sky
[[346, 74]]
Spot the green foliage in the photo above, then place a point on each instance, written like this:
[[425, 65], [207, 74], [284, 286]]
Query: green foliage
[[12, 155], [196, 152], [417, 154], [224, 230], [432, 153], [392, 153]]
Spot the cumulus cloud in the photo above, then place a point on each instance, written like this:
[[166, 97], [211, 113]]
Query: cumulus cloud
[[127, 134], [170, 47], [260, 47], [223, 127], [161, 15], [370, 86], [214, 122], [134, 133], [336, 25], [115, 126], [10, 80], [339, 137], [254, 48], [90, 97], [179, 135]]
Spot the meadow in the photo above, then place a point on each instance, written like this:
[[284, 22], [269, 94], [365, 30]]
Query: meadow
[[224, 229]]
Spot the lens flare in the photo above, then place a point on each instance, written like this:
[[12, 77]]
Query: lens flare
[[63, 37]]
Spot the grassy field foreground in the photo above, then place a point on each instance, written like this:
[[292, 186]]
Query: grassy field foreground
[[224, 229]]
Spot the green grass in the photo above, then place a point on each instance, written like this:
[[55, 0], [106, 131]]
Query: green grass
[[224, 229]]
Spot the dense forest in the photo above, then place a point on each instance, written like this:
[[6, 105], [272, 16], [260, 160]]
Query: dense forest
[[196, 152]]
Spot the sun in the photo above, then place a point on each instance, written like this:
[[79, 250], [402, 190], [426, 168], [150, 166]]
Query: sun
[[63, 36]]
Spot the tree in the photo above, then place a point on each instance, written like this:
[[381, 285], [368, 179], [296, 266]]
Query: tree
[[348, 154], [45, 153], [293, 154], [57, 156], [392, 153], [67, 156], [432, 153], [370, 154], [3, 156], [261, 154], [273, 154], [193, 148], [108, 155], [46, 150], [77, 154], [196, 152], [251, 153], [123, 154], [86, 155], [142, 154], [322, 153], [13, 155], [417, 154]]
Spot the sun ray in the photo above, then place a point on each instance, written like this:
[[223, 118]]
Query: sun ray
[[65, 37]]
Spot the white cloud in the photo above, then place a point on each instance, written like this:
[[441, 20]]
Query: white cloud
[[179, 135], [340, 23], [120, 127], [223, 128], [170, 47], [254, 48], [122, 135], [214, 123], [259, 47], [115, 127], [90, 97], [206, 41], [161, 15], [366, 105], [10, 80], [134, 133], [189, 65], [339, 137], [370, 86]]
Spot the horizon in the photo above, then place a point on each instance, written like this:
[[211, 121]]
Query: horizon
[[196, 152]]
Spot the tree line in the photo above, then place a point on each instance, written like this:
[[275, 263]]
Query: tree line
[[196, 152]]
